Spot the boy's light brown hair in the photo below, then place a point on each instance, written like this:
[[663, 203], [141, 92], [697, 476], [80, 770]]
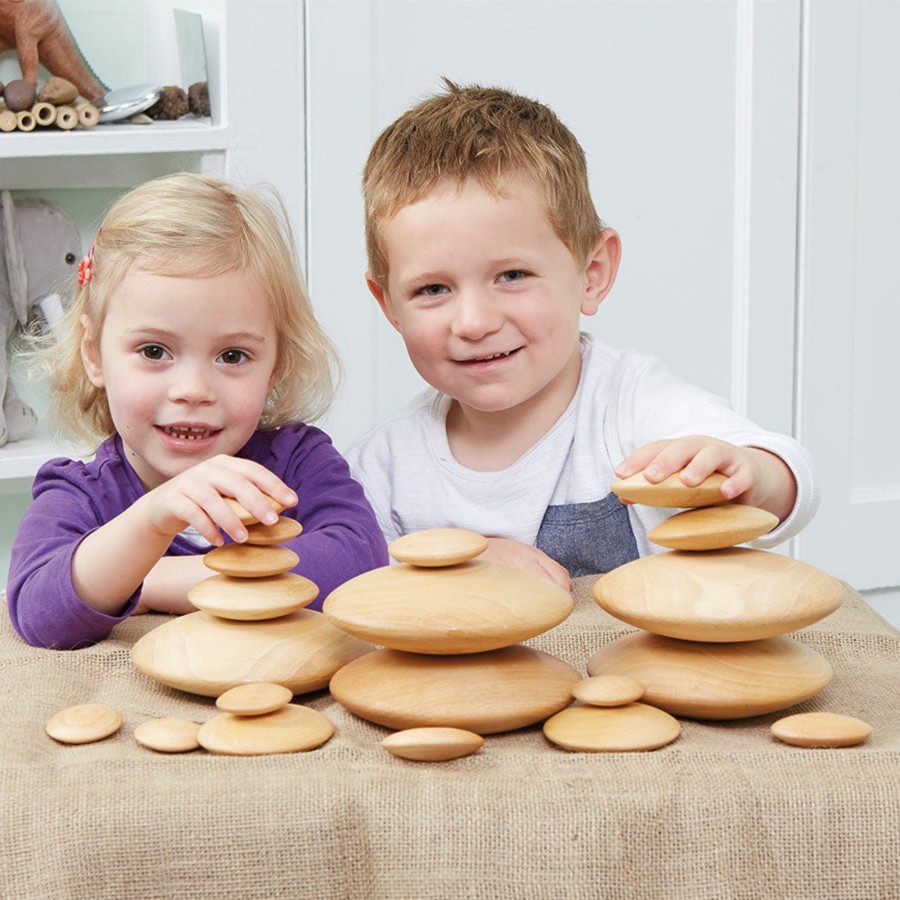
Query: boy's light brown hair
[[483, 133]]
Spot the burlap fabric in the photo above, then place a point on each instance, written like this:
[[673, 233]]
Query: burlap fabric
[[724, 812]]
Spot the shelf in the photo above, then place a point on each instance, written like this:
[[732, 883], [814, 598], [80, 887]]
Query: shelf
[[20, 460]]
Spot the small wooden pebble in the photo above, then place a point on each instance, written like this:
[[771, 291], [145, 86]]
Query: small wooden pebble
[[438, 547], [713, 527], [670, 492], [434, 744], [821, 729], [249, 561], [623, 728], [254, 599], [247, 518], [169, 735], [608, 690], [254, 699], [283, 530], [290, 729], [84, 723]]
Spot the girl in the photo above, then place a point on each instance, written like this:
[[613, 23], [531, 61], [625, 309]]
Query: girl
[[191, 348]]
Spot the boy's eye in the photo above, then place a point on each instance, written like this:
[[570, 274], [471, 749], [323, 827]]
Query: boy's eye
[[154, 351], [512, 275], [432, 290], [233, 357]]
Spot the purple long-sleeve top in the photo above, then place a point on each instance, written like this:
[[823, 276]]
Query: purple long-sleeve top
[[340, 537]]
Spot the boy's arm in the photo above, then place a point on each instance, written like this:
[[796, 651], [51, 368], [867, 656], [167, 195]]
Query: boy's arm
[[523, 556]]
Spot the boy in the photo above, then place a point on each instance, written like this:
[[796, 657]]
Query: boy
[[484, 250]]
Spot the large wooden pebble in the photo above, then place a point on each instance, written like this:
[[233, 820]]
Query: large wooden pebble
[[246, 517], [204, 654], [250, 561], [290, 729], [713, 527], [432, 744], [467, 608], [283, 530], [670, 492], [738, 594], [254, 699], [821, 729], [623, 728], [500, 690], [84, 723], [608, 690], [438, 547], [169, 735], [252, 599], [715, 681]]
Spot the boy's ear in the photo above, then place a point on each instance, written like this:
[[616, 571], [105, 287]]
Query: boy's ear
[[377, 291], [600, 271], [90, 352]]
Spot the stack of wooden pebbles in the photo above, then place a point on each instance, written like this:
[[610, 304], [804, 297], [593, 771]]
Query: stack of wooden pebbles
[[713, 617], [56, 106], [451, 662], [251, 630]]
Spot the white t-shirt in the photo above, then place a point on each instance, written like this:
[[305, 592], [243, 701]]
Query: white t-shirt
[[624, 400]]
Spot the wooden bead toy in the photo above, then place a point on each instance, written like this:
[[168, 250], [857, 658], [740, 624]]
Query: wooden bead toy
[[84, 723], [821, 729], [169, 735], [608, 690], [713, 527], [671, 491], [283, 530], [290, 729], [254, 699], [251, 599], [438, 547], [623, 728], [432, 744], [250, 560]]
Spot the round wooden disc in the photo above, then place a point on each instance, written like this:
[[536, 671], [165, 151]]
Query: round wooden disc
[[168, 735], [594, 730], [713, 527], [821, 729], [250, 560], [249, 599], [84, 723], [247, 518], [288, 730], [715, 681], [283, 530], [254, 699], [500, 690], [608, 690], [438, 547], [738, 594], [432, 744], [671, 491], [207, 655], [467, 608]]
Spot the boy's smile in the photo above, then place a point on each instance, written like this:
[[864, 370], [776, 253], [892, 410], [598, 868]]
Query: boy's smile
[[488, 300]]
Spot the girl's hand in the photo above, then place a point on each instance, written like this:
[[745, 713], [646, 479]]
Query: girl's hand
[[524, 556], [752, 476], [197, 497]]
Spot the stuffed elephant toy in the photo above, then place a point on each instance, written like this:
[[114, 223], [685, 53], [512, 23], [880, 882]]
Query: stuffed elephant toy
[[41, 250]]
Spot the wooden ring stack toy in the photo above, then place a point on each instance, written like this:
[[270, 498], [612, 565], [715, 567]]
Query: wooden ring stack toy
[[450, 628], [251, 625]]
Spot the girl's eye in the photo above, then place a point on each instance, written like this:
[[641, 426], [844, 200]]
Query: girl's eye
[[512, 275], [154, 352], [233, 357]]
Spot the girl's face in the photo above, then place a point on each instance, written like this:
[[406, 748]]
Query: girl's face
[[187, 364]]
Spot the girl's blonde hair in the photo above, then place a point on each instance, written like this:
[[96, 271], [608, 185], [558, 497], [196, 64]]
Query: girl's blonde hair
[[191, 225], [483, 133]]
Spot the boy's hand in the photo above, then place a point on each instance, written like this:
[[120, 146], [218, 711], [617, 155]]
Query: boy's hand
[[197, 497], [752, 476], [523, 556]]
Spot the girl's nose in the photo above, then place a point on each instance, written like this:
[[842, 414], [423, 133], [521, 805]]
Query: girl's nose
[[191, 384], [475, 316]]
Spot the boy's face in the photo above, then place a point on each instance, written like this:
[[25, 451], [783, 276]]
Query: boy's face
[[488, 299]]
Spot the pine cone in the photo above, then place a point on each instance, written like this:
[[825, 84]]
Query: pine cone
[[172, 104], [198, 98]]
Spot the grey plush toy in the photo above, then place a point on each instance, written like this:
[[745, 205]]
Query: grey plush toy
[[41, 250]]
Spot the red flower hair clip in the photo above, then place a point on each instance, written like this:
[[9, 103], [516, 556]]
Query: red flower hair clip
[[86, 266]]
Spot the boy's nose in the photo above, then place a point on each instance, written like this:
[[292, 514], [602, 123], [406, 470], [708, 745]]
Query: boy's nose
[[475, 316], [191, 385]]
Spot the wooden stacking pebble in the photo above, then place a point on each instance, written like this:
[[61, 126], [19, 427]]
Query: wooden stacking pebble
[[821, 729], [168, 735], [715, 681], [250, 560], [253, 599], [84, 723], [438, 547], [591, 729], [467, 608], [608, 690], [499, 690], [246, 517], [670, 492], [254, 699], [737, 594], [283, 530], [205, 654], [713, 527], [290, 729], [432, 744]]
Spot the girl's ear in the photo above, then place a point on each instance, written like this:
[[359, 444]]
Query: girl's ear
[[600, 271], [90, 352], [377, 291]]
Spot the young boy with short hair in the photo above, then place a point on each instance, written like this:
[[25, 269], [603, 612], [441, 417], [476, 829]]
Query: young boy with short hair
[[484, 251]]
